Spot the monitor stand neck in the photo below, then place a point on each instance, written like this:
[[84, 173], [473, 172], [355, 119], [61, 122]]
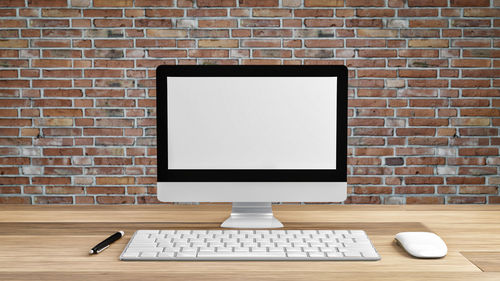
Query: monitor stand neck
[[252, 215]]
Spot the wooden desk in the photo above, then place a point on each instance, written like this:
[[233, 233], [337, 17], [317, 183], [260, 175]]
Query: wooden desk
[[51, 243]]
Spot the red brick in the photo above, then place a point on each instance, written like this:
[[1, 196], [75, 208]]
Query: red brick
[[363, 23], [10, 189], [199, 13], [365, 43], [423, 43], [470, 63], [259, 3], [203, 53], [313, 13], [12, 3], [323, 23], [272, 33], [466, 200], [272, 53], [363, 200], [470, 3], [478, 189], [102, 132], [272, 13], [240, 12], [114, 180], [429, 23], [47, 3], [15, 122], [7, 12], [13, 43], [364, 180], [106, 190], [424, 180], [492, 112], [359, 62], [374, 53], [477, 12], [375, 12], [372, 190], [374, 151], [470, 83], [256, 23], [115, 199], [49, 23], [115, 160], [15, 199], [414, 73], [154, 3], [415, 131], [12, 23], [114, 3], [414, 190], [427, 3], [424, 200], [53, 200], [414, 151], [311, 53], [253, 43], [363, 3], [478, 151], [60, 13]]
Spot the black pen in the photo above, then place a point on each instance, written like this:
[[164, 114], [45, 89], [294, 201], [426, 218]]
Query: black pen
[[104, 244]]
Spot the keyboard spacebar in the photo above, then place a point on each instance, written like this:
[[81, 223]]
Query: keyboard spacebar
[[241, 255]]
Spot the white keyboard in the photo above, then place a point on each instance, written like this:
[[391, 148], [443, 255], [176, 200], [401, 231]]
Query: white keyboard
[[156, 245]]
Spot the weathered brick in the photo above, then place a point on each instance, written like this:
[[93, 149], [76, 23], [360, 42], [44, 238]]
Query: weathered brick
[[155, 3], [313, 12], [424, 200], [469, 3], [434, 43], [47, 3], [427, 3], [166, 33], [362, 3], [114, 3]]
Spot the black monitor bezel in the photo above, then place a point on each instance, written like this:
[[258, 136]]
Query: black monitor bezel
[[261, 175]]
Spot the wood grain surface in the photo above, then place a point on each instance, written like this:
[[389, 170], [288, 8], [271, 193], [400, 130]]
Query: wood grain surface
[[52, 243]]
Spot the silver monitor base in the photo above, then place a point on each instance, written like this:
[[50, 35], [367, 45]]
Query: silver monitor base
[[252, 215]]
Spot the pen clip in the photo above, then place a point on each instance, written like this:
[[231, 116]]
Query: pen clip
[[100, 250]]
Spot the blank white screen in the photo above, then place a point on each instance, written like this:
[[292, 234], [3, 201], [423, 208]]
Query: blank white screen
[[251, 122]]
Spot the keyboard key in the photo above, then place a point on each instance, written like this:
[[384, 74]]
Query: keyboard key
[[129, 254], [259, 249], [166, 254], [352, 254], [369, 254], [276, 249], [148, 254], [243, 255], [186, 255], [316, 254], [242, 249], [224, 249], [334, 255], [296, 255]]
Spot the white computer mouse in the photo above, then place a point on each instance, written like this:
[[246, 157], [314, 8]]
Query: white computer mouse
[[422, 244]]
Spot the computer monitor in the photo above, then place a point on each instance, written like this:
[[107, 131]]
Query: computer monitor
[[251, 135]]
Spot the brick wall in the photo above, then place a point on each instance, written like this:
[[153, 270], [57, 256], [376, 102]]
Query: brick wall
[[77, 96]]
